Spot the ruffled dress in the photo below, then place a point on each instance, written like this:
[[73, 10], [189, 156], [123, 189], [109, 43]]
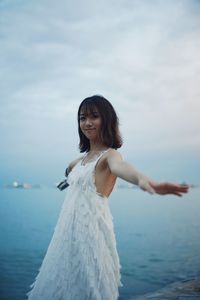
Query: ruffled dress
[[81, 262]]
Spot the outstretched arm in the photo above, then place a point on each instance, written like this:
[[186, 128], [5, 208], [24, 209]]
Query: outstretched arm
[[124, 170]]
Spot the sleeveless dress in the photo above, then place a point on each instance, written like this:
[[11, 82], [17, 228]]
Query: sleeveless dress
[[81, 262]]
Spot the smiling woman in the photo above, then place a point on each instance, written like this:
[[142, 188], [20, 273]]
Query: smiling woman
[[97, 113], [82, 260], [90, 124]]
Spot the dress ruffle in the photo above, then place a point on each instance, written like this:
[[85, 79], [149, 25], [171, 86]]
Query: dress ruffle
[[81, 261]]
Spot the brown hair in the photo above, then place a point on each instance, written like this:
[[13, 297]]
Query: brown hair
[[110, 134]]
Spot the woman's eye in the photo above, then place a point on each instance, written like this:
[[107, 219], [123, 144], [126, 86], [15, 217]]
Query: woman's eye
[[82, 118], [95, 116]]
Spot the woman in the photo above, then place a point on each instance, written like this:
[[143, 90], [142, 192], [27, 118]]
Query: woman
[[82, 261]]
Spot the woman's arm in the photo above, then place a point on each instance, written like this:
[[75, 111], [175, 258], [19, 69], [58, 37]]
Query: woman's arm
[[124, 170]]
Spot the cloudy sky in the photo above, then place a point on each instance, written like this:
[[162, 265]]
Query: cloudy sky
[[143, 56]]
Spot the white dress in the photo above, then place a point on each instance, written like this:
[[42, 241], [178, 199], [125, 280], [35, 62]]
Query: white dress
[[81, 262]]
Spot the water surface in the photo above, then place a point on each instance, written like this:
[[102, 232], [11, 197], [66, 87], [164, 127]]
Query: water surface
[[157, 238]]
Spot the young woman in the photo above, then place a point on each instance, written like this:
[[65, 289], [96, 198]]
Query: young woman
[[82, 261]]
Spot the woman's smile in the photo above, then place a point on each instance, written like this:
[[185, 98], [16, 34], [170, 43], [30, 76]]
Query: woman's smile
[[89, 129], [90, 124]]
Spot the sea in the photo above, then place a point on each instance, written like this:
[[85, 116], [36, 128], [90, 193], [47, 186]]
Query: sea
[[158, 241]]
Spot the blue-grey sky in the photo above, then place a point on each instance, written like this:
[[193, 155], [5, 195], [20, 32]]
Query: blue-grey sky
[[143, 56]]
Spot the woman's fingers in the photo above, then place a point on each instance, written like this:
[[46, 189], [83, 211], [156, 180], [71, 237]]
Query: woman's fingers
[[181, 188]]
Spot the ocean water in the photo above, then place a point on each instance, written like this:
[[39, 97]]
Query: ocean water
[[158, 239]]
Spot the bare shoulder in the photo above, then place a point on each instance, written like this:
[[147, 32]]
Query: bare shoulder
[[113, 155], [74, 162]]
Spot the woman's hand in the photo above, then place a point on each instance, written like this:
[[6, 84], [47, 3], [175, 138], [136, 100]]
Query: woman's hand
[[169, 188]]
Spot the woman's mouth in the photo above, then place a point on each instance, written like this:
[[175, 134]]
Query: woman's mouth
[[89, 129]]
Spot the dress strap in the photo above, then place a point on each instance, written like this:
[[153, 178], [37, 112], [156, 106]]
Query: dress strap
[[100, 155], [95, 160]]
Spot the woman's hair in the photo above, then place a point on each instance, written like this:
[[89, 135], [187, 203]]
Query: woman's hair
[[109, 134]]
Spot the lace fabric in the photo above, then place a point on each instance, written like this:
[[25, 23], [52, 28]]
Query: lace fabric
[[81, 261]]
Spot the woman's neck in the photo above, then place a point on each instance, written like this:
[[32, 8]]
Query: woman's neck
[[95, 147]]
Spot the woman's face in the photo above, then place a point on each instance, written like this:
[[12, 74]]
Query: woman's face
[[90, 123]]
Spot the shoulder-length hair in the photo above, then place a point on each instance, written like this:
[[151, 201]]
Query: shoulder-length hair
[[110, 135]]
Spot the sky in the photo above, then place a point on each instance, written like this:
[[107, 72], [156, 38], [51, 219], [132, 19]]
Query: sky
[[143, 56]]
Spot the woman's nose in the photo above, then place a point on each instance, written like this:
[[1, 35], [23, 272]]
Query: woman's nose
[[88, 122]]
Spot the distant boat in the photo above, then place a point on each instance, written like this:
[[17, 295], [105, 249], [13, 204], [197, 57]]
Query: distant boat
[[15, 184], [25, 185]]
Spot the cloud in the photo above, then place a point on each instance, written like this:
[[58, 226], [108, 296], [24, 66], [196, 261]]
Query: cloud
[[142, 55]]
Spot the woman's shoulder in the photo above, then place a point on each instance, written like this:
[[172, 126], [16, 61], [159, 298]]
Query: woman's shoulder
[[113, 153], [74, 162]]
